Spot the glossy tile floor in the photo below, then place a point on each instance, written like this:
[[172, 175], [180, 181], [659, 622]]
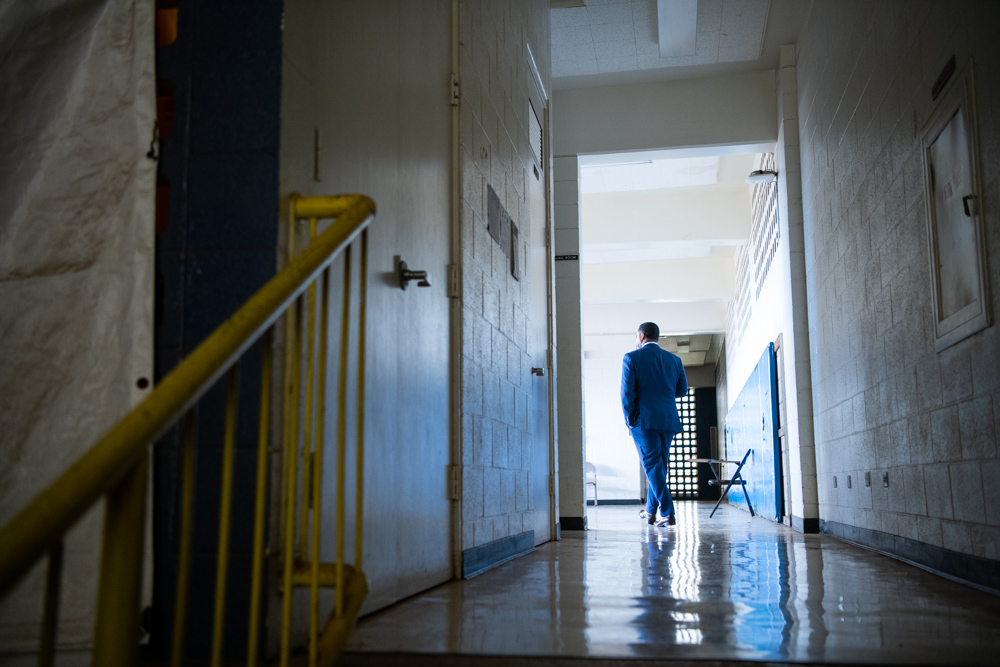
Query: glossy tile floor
[[727, 588]]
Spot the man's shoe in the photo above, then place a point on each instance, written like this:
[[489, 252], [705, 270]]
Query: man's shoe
[[650, 518], [669, 520]]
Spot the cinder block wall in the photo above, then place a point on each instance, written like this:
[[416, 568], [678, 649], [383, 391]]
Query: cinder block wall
[[885, 401], [495, 151]]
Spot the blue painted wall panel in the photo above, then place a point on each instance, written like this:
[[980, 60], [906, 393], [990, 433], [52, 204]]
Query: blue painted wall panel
[[752, 423]]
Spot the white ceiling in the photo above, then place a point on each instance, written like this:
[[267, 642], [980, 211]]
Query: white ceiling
[[649, 174], [693, 349], [608, 42], [654, 248], [664, 255], [621, 35]]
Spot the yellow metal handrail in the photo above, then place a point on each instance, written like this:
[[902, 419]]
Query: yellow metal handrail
[[116, 467]]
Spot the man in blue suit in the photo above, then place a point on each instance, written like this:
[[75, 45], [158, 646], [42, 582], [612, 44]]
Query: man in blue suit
[[652, 380]]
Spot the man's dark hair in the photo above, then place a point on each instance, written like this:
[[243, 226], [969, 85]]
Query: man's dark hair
[[649, 330]]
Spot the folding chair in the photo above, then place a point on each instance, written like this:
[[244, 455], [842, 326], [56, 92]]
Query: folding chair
[[736, 479]]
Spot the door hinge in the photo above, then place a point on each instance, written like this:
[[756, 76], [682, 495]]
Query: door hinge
[[548, 358], [552, 485], [548, 237], [456, 89], [455, 483], [453, 281]]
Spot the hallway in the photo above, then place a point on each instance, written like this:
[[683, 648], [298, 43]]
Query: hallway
[[726, 588]]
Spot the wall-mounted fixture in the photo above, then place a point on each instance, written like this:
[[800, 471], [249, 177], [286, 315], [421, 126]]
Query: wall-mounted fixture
[[762, 176], [406, 275], [538, 371]]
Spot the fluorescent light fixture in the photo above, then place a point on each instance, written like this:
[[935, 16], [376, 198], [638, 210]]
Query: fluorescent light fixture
[[677, 27], [762, 176]]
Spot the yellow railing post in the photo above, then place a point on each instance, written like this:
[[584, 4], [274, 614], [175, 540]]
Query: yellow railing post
[[186, 528], [253, 641], [116, 631], [317, 472], [362, 315], [50, 621], [225, 511], [345, 330]]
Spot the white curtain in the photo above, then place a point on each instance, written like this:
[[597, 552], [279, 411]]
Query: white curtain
[[77, 112]]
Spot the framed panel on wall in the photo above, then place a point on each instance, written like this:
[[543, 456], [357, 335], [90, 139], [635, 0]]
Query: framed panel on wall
[[953, 199]]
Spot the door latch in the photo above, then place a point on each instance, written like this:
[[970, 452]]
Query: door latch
[[405, 275]]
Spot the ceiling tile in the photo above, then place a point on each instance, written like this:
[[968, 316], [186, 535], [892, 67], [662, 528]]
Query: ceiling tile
[[709, 14], [577, 67], [571, 35], [708, 46], [654, 61], [572, 52], [566, 18], [617, 64], [643, 10], [613, 32], [742, 29], [645, 37], [692, 358], [612, 50], [738, 50], [620, 13]]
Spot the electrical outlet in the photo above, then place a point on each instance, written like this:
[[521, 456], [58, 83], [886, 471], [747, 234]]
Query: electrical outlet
[[835, 481], [885, 479], [868, 479], [848, 481]]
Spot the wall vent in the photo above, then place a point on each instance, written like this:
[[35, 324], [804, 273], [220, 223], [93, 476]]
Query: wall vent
[[535, 135]]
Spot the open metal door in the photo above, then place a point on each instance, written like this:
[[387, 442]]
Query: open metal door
[[539, 330]]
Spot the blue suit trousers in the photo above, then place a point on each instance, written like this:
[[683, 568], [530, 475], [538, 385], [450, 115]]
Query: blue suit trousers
[[654, 452]]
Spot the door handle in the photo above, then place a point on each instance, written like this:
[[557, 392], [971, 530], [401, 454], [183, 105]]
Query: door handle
[[406, 275], [538, 371], [969, 202]]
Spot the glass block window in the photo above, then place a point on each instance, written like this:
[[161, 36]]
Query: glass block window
[[764, 228], [683, 476]]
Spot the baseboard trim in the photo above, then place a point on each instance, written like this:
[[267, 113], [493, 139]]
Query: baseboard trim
[[487, 556], [573, 522], [805, 525], [617, 501], [366, 659], [981, 573]]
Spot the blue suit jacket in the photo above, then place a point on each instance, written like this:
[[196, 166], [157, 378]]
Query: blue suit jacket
[[652, 380]]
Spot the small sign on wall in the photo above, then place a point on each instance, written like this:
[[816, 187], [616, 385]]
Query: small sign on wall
[[953, 196]]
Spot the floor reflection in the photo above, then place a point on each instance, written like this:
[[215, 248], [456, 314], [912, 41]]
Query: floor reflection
[[730, 587]]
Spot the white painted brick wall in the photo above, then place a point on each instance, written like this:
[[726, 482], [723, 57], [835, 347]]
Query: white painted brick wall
[[884, 401], [495, 151]]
